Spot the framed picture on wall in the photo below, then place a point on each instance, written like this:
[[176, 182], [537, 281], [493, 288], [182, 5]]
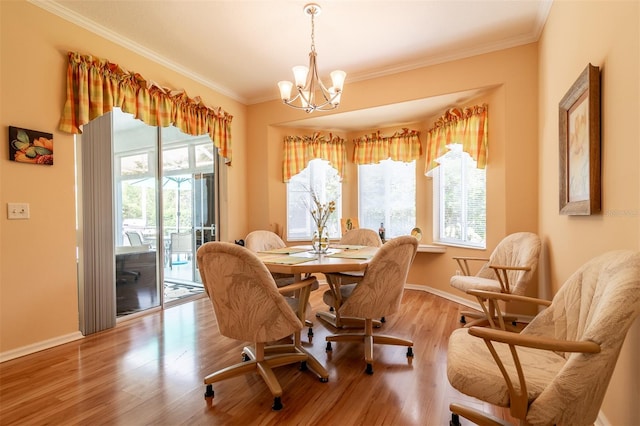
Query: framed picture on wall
[[30, 146], [348, 223], [580, 145]]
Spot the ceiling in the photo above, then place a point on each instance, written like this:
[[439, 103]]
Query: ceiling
[[242, 48]]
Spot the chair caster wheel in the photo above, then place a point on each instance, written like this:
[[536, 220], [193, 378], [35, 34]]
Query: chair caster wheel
[[324, 379], [409, 352], [277, 404], [310, 333], [245, 358], [463, 320], [209, 393], [455, 420], [369, 369], [383, 320], [329, 348], [303, 366]]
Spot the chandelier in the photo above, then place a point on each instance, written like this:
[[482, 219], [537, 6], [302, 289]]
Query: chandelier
[[312, 94]]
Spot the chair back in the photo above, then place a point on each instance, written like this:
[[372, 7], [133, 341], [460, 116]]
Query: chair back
[[263, 240], [244, 295], [362, 237], [380, 292], [518, 249], [181, 242], [598, 303], [134, 238]]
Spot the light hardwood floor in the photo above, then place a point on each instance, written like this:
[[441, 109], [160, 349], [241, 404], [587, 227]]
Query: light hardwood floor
[[149, 371]]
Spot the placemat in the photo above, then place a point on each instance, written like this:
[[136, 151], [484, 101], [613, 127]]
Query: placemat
[[352, 254], [347, 246], [287, 260], [285, 250]]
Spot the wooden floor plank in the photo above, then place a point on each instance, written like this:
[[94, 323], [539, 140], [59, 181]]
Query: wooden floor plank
[[149, 371]]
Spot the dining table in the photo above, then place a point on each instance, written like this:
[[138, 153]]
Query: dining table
[[301, 260]]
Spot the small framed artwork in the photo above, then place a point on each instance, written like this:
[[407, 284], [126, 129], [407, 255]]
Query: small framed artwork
[[348, 223], [30, 146], [580, 183]]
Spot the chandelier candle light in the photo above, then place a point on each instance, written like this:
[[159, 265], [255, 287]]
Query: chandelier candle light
[[312, 94]]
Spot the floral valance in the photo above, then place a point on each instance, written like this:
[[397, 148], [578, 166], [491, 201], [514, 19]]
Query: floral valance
[[95, 86], [466, 126], [401, 146], [299, 150]]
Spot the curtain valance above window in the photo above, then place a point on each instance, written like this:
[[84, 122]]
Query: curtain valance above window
[[299, 150], [401, 146], [465, 126], [95, 86]]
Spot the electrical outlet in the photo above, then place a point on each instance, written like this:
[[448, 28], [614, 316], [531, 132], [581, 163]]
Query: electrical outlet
[[17, 210]]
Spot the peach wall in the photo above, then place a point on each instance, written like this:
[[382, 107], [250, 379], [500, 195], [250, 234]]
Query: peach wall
[[510, 77], [38, 285], [605, 34], [37, 257]]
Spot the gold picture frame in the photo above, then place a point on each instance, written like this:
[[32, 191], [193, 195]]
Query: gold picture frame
[[579, 124]]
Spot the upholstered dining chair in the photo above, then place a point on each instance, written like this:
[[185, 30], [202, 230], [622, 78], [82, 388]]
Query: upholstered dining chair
[[508, 270], [557, 369], [263, 240], [379, 294], [342, 284], [249, 307]]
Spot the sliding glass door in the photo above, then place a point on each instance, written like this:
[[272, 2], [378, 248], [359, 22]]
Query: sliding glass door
[[164, 199]]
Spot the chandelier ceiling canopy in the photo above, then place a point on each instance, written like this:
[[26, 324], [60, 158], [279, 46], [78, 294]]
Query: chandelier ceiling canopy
[[311, 94]]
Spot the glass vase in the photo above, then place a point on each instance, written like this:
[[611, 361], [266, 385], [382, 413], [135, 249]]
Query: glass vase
[[320, 240]]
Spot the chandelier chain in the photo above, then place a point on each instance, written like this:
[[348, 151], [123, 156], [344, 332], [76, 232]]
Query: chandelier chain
[[313, 28]]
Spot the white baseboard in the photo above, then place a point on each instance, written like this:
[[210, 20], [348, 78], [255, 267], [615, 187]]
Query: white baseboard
[[39, 346], [445, 295], [460, 300]]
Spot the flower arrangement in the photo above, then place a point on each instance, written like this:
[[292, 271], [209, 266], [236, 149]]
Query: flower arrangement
[[320, 212]]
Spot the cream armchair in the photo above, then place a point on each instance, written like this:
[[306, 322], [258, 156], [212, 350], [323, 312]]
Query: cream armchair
[[249, 307], [379, 294], [555, 371], [508, 270]]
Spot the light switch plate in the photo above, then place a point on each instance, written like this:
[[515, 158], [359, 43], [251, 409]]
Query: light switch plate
[[17, 210]]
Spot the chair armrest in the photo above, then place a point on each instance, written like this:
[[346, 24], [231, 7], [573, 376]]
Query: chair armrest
[[508, 297], [488, 302], [307, 282], [464, 265], [511, 268], [503, 277], [535, 342], [303, 289], [485, 259]]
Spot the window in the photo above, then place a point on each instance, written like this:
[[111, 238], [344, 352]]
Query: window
[[459, 191], [387, 194], [320, 177]]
